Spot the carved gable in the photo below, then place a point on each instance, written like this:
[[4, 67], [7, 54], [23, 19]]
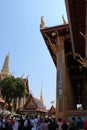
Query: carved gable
[[52, 110], [30, 103]]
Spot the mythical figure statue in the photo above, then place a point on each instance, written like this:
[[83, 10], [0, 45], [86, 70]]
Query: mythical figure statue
[[42, 24]]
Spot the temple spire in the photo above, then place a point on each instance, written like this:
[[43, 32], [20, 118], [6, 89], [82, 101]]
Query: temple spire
[[41, 97], [5, 69]]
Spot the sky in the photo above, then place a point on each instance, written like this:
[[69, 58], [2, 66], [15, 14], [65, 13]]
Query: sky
[[20, 36]]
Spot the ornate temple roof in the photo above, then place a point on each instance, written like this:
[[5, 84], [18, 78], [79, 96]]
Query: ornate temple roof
[[33, 104], [76, 28], [50, 36], [52, 110], [40, 105]]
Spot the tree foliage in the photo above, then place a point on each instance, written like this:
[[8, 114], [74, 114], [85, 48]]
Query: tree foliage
[[12, 88]]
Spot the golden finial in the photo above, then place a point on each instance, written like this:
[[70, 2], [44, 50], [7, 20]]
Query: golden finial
[[41, 96], [42, 24], [64, 21]]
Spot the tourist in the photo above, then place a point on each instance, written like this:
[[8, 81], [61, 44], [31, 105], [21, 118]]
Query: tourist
[[3, 123], [80, 124], [15, 126], [85, 124], [12, 121], [35, 123], [64, 125], [72, 124], [43, 124], [25, 127], [59, 124], [53, 125]]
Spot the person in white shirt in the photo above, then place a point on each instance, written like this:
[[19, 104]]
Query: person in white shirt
[[35, 123], [15, 126]]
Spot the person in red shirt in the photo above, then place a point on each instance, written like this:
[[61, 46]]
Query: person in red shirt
[[85, 124]]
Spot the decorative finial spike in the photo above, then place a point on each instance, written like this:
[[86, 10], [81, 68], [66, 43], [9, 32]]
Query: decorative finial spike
[[42, 24], [64, 21], [41, 97]]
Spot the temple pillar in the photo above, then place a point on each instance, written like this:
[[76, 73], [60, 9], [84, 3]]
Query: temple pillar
[[61, 95]]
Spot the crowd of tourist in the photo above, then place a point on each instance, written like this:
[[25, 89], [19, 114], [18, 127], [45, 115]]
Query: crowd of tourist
[[45, 123]]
